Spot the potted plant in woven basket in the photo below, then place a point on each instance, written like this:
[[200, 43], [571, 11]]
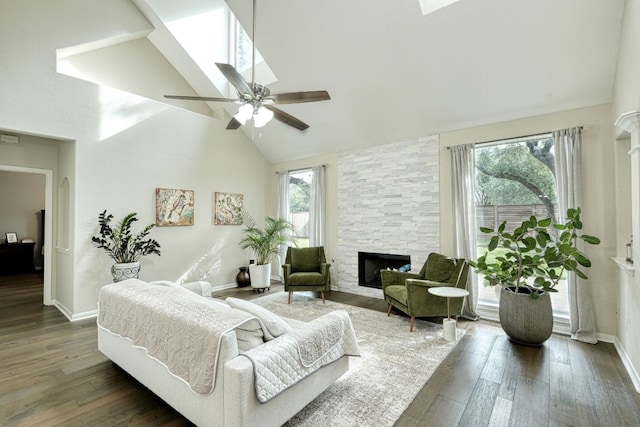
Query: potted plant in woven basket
[[123, 246], [528, 264]]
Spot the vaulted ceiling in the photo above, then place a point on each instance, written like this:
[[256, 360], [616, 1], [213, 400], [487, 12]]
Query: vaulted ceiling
[[395, 74]]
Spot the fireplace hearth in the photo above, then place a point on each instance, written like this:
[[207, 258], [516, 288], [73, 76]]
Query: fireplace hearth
[[370, 264]]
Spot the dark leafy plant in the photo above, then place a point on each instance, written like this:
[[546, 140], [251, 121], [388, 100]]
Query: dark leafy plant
[[120, 243], [532, 252], [266, 242]]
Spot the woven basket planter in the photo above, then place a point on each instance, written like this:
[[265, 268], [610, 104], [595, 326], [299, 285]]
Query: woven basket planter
[[524, 319]]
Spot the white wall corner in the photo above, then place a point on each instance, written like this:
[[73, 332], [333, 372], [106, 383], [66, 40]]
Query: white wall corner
[[626, 361], [430, 139], [75, 317]]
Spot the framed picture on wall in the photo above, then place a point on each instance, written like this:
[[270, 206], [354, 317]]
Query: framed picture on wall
[[11, 237], [227, 208], [174, 207]]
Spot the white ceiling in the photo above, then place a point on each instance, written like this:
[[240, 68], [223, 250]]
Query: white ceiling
[[395, 74]]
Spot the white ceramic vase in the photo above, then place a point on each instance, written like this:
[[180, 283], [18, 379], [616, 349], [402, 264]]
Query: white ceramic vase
[[129, 270]]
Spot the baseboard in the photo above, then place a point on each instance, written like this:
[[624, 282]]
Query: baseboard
[[75, 317], [633, 374], [607, 338], [224, 286]]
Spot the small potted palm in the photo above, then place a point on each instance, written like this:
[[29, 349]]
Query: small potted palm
[[123, 246], [265, 243]]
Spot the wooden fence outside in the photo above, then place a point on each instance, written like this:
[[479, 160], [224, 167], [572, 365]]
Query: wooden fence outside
[[491, 216]]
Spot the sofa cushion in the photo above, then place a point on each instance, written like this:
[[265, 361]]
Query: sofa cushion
[[305, 259], [274, 324], [201, 287], [249, 335]]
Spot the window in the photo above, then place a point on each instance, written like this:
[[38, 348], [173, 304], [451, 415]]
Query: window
[[241, 46], [514, 180], [299, 204]]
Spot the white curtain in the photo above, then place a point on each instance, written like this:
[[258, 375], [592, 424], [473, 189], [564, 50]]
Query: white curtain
[[283, 212], [568, 154], [464, 212], [316, 207]]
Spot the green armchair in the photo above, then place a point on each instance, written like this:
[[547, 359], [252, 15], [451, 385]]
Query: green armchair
[[306, 269], [409, 292]]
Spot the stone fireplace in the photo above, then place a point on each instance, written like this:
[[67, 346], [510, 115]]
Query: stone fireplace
[[388, 203], [370, 264]]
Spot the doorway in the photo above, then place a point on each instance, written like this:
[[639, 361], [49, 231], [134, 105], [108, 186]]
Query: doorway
[[47, 247]]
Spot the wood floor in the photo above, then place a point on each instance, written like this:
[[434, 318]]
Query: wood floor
[[52, 374]]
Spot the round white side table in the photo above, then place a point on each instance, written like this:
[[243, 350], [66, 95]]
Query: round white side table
[[449, 324]]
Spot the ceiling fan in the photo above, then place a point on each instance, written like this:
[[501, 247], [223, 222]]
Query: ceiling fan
[[256, 100]]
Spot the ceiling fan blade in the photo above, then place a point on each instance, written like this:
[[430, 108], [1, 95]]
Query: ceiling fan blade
[[235, 78], [233, 124], [287, 118], [298, 97], [200, 98]]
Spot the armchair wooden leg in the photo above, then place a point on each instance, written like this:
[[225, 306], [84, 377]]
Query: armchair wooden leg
[[322, 293], [413, 319], [389, 311], [289, 299]]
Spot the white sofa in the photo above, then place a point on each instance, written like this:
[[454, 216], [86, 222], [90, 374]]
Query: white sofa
[[233, 401]]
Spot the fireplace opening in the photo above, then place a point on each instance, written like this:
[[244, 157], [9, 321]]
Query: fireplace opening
[[370, 264]]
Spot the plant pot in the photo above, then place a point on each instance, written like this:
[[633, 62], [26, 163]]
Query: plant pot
[[129, 270], [524, 319], [260, 276]]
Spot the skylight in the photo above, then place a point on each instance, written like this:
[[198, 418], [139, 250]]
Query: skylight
[[209, 32], [429, 6]]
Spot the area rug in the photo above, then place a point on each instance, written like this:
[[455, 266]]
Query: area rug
[[379, 385]]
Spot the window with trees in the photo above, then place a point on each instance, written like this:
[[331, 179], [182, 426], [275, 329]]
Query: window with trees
[[515, 179], [299, 203]]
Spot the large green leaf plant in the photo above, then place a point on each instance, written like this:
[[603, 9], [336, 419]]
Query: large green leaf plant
[[530, 251]]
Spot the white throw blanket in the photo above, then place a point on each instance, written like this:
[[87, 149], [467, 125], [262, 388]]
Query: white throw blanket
[[180, 329], [280, 363]]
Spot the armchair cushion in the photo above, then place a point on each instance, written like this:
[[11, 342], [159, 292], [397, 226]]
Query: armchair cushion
[[439, 268], [305, 260], [307, 278]]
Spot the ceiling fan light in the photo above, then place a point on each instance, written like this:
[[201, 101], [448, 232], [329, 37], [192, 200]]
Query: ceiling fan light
[[244, 113], [262, 117]]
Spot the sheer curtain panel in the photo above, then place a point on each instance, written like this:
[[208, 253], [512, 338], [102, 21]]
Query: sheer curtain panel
[[316, 207], [283, 212], [464, 212], [568, 147]]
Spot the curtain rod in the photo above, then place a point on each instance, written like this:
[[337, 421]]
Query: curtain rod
[[515, 137], [300, 169]]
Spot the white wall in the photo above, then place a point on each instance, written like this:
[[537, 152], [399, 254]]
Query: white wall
[[124, 147], [627, 98], [598, 198]]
